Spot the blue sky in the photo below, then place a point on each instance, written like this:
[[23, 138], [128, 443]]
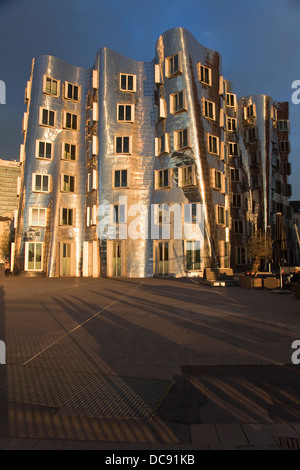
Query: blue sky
[[259, 42]]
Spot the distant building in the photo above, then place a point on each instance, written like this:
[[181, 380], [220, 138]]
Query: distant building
[[129, 146], [10, 172], [295, 206]]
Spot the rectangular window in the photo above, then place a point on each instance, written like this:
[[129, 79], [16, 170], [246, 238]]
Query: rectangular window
[[190, 213], [162, 144], [241, 255], [181, 139], [162, 178], [173, 65], [236, 200], [283, 125], [209, 109], [37, 216], [220, 215], [230, 100], [161, 214], [119, 214], [68, 183], [233, 149], [249, 111], [178, 102], [51, 86], [192, 255], [69, 151], [213, 144], [43, 150], [284, 146], [217, 179], [33, 256], [40, 183], [123, 145], [72, 91], [231, 124], [67, 216], [47, 117], [120, 179], [70, 121], [204, 74], [238, 227], [235, 175], [186, 176], [127, 82], [125, 112]]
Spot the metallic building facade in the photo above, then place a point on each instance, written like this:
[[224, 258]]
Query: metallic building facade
[[119, 161]]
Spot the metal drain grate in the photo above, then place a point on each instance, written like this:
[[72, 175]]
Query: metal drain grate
[[289, 443], [88, 392]]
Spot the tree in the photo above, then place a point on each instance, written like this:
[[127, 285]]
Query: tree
[[260, 246], [5, 244]]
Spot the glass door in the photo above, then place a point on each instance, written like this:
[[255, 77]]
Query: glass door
[[163, 258]]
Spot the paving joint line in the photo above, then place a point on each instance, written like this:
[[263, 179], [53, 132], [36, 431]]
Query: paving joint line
[[79, 326]]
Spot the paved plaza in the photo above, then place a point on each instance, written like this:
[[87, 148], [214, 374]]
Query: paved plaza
[[147, 364]]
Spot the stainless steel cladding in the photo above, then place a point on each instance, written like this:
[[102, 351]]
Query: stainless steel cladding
[[126, 161], [189, 106], [52, 203], [145, 168]]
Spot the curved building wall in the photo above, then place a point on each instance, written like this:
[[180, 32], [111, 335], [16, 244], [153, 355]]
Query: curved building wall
[[50, 120], [179, 46], [134, 163]]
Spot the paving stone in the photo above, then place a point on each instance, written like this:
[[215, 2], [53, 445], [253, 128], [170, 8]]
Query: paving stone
[[231, 435], [21, 444], [258, 435], [204, 436]]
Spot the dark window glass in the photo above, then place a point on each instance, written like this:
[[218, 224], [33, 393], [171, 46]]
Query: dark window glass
[[130, 82], [128, 113], [121, 113], [123, 82]]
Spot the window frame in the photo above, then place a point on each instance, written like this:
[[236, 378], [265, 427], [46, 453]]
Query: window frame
[[183, 169], [206, 105], [27, 243], [178, 140], [210, 139], [63, 151], [168, 70], [201, 68], [67, 90], [132, 112], [34, 189], [30, 218], [121, 170], [113, 213], [122, 137], [37, 150], [72, 117], [41, 123], [157, 180], [228, 100], [61, 219], [50, 93], [176, 109], [62, 185], [193, 267], [126, 89]]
